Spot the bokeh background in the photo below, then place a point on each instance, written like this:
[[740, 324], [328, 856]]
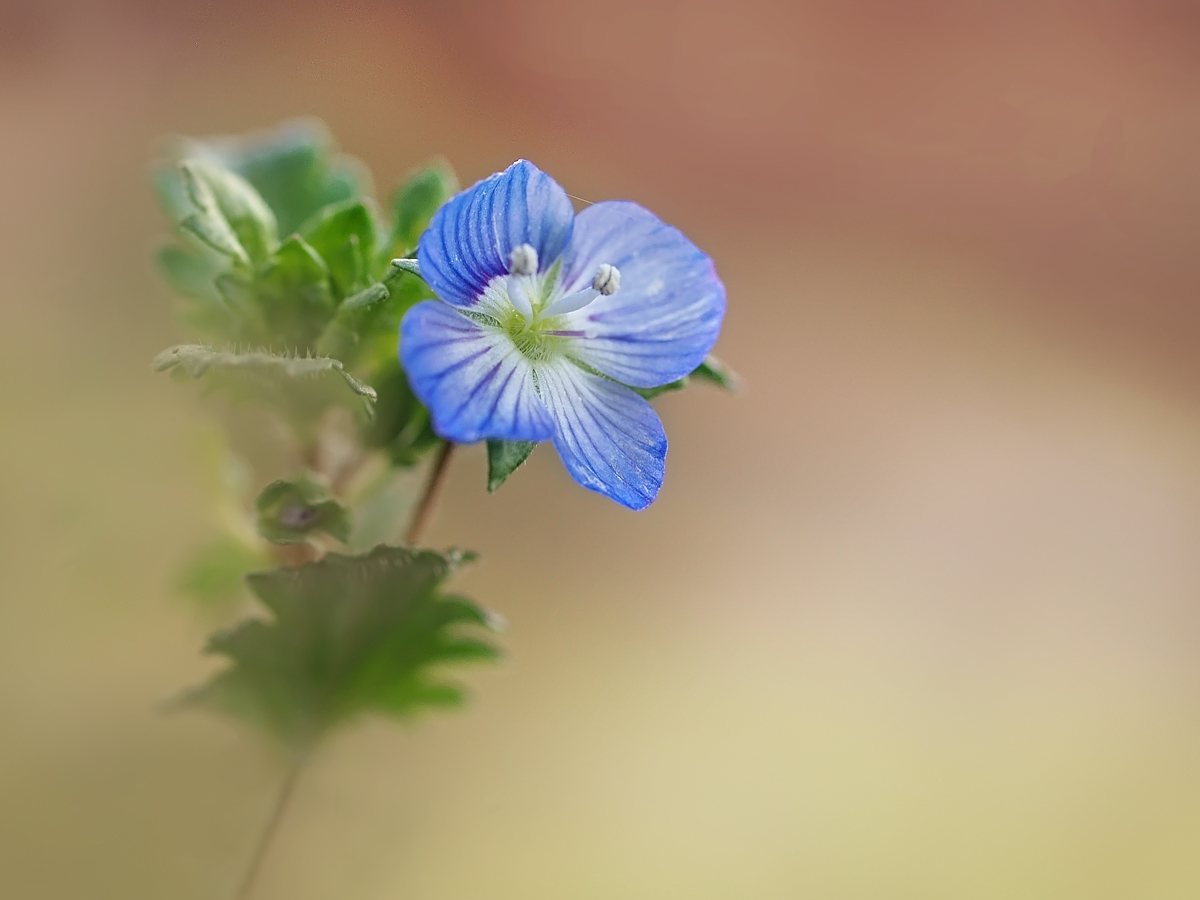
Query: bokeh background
[[916, 615]]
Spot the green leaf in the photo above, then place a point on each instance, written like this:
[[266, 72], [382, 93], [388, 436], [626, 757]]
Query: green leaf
[[343, 335], [504, 458], [716, 372], [193, 273], [189, 273], [301, 386], [295, 170], [348, 636], [289, 512], [230, 215], [345, 236], [295, 295], [401, 425], [415, 202]]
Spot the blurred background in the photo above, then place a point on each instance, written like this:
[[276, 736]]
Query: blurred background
[[915, 615]]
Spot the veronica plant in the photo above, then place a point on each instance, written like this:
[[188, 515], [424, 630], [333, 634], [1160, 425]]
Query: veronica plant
[[518, 322]]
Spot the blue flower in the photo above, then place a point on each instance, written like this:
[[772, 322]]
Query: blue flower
[[546, 320]]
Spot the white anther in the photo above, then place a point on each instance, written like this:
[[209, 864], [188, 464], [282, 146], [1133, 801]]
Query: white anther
[[523, 260], [607, 280]]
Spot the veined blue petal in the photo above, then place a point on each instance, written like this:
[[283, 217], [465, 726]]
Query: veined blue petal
[[470, 238], [609, 438], [472, 378], [665, 318]]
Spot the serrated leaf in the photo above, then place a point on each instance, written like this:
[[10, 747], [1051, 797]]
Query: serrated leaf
[[345, 234], [415, 202], [231, 216], [292, 510], [504, 458], [349, 635], [301, 386]]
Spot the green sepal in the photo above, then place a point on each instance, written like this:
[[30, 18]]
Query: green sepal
[[712, 370], [231, 216], [345, 235], [300, 386], [291, 511], [414, 203], [504, 458], [349, 635], [398, 267], [716, 372], [651, 393]]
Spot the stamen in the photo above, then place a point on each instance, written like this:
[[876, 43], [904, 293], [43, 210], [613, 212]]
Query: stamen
[[523, 260], [607, 280], [518, 295], [571, 302]]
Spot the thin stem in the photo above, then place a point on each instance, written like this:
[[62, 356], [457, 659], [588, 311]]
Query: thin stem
[[429, 498], [272, 828]]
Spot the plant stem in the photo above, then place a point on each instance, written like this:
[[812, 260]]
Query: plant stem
[[428, 499], [286, 791]]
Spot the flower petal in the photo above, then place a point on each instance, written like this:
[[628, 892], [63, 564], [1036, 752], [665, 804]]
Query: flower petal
[[470, 238], [665, 318], [609, 438], [473, 379]]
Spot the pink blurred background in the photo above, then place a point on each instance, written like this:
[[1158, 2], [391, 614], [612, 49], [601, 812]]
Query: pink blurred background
[[916, 613]]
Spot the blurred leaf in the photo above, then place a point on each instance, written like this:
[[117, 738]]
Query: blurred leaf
[[343, 335], [295, 170], [301, 386], [193, 274], [189, 273], [295, 295], [401, 425], [716, 372], [368, 296], [345, 236], [215, 577], [349, 635], [230, 215], [290, 511], [504, 458], [415, 202]]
